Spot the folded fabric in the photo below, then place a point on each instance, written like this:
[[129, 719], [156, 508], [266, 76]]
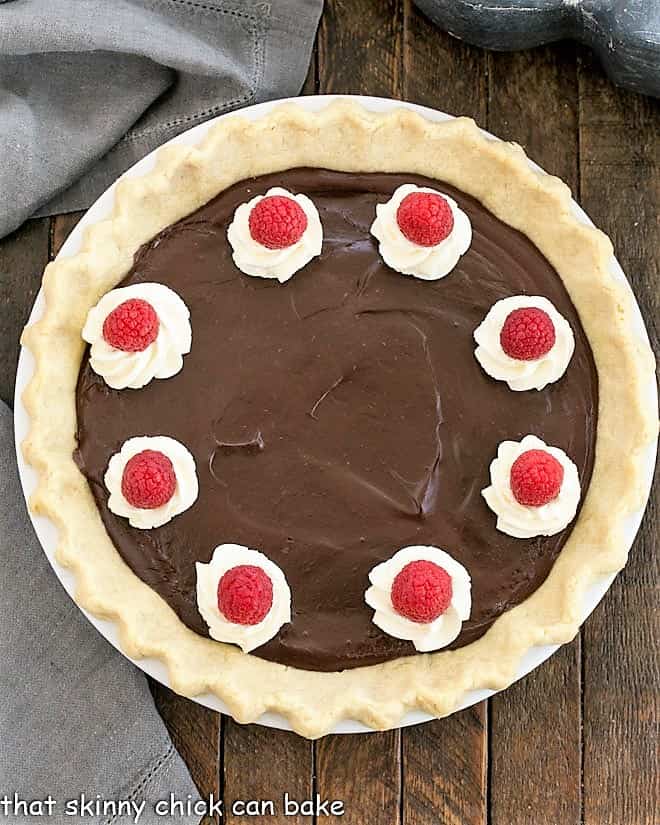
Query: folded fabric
[[88, 87], [77, 721]]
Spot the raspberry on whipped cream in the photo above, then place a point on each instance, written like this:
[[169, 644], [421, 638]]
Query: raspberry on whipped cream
[[422, 591], [527, 334], [243, 596], [132, 326], [524, 341], [536, 478], [276, 234], [151, 480], [421, 232], [277, 222], [148, 480], [138, 333], [534, 489], [421, 594], [425, 218]]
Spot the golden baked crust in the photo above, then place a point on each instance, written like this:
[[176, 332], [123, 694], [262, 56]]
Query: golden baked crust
[[346, 137]]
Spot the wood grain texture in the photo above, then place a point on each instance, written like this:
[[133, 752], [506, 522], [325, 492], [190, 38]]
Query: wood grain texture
[[619, 137], [360, 50], [440, 71], [445, 770], [535, 741], [364, 771], [264, 764], [344, 60], [619, 174], [359, 47], [23, 256], [535, 745], [532, 100], [62, 226], [311, 85], [195, 731], [444, 763]]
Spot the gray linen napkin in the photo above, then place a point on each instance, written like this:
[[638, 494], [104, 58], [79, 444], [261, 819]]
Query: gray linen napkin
[[75, 716], [88, 87]]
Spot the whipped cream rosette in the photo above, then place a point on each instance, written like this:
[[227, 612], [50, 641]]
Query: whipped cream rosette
[[421, 232], [524, 341], [276, 234], [421, 594], [151, 480], [242, 596], [534, 489], [138, 333]]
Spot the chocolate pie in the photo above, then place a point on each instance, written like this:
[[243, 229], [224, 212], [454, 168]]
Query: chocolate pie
[[338, 414]]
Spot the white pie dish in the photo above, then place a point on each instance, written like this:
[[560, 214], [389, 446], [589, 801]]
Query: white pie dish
[[47, 532]]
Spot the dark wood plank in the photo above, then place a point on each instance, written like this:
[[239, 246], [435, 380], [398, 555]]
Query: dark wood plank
[[311, 85], [359, 50], [444, 770], [536, 746], [258, 763], [620, 185], [195, 731], [263, 764], [23, 255], [364, 772], [444, 763], [532, 99], [535, 725], [359, 47], [440, 71], [62, 226], [620, 190]]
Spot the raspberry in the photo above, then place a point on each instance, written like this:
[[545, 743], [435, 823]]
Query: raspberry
[[277, 222], [148, 480], [245, 594], [527, 334], [536, 478], [131, 326], [421, 591], [425, 218]]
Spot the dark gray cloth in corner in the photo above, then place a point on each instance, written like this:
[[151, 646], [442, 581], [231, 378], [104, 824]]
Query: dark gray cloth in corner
[[87, 87], [75, 716]]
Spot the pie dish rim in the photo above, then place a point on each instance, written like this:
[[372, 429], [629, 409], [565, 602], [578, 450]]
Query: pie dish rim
[[371, 710]]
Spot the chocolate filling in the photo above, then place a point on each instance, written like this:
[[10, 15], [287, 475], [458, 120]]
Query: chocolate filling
[[339, 417]]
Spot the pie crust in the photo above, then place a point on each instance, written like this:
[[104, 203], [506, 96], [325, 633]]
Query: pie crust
[[345, 137]]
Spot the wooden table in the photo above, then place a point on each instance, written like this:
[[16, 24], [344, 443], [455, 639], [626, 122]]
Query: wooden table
[[575, 742]]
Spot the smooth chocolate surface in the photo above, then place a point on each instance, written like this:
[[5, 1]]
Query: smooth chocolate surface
[[339, 417]]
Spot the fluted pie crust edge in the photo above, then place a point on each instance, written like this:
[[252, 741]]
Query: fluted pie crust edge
[[343, 136]]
